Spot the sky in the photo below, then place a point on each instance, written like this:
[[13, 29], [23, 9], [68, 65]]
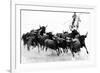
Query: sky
[[56, 22]]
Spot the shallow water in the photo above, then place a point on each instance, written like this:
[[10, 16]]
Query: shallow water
[[34, 56]]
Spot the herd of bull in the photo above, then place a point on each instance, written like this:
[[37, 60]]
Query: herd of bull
[[47, 40]]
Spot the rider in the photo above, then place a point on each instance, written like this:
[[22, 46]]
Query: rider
[[74, 28], [73, 22], [74, 18]]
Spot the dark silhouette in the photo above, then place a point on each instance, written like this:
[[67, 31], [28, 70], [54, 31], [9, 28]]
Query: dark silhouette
[[45, 40]]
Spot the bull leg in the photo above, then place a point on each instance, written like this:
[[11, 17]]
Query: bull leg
[[78, 53], [29, 44], [38, 48], [73, 54], [72, 51], [63, 50], [58, 52], [28, 47], [66, 50], [43, 48], [24, 46], [46, 49], [86, 49]]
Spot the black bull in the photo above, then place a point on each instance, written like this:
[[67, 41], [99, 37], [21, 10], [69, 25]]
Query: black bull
[[52, 44], [55, 44], [31, 38], [73, 44], [78, 43]]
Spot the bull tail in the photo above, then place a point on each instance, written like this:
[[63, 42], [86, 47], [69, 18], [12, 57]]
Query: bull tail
[[86, 49]]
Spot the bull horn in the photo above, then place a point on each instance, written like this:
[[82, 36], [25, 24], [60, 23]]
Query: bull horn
[[86, 34], [39, 26], [63, 31], [46, 25]]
